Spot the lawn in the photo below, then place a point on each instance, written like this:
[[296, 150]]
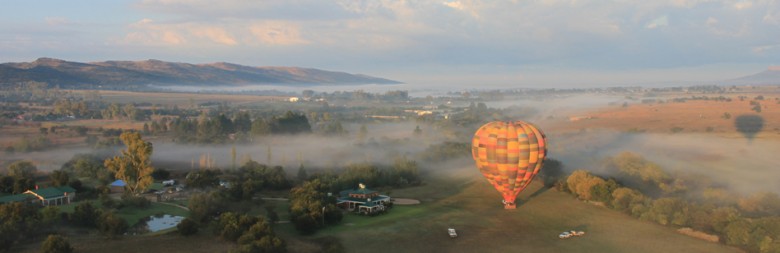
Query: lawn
[[134, 214], [476, 212]]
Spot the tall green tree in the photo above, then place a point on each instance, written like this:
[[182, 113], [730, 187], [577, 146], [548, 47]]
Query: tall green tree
[[134, 165], [59, 178], [22, 169]]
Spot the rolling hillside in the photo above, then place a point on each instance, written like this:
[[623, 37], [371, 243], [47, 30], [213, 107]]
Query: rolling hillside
[[116, 74]]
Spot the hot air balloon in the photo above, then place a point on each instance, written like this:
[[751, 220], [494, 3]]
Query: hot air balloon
[[509, 155]]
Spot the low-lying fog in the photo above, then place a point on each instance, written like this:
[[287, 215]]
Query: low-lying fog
[[746, 166]]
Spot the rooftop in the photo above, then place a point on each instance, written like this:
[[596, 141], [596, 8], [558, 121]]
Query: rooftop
[[52, 192]]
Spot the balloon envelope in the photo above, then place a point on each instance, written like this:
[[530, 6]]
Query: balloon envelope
[[509, 155]]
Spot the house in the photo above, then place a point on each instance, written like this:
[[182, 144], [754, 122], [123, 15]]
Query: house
[[53, 195], [117, 186], [362, 200]]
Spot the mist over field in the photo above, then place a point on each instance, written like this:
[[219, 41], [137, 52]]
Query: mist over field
[[383, 144], [736, 163]]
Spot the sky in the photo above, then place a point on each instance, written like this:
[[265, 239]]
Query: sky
[[543, 43]]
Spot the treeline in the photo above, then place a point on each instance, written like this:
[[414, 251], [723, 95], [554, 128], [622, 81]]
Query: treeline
[[752, 222], [221, 129], [395, 95], [402, 173]]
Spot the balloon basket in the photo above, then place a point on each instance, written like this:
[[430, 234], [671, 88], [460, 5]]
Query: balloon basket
[[510, 206]]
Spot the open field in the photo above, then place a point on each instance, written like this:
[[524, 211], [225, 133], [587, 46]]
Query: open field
[[180, 99], [172, 242], [691, 117], [475, 211]]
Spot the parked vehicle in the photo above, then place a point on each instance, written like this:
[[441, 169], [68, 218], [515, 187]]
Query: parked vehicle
[[568, 234], [452, 232]]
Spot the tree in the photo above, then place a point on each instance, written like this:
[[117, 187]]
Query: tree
[[17, 220], [582, 182], [134, 165], [624, 198], [187, 227], [59, 178], [204, 206], [306, 204], [111, 224], [85, 214], [738, 232], [22, 169], [56, 244], [7, 184]]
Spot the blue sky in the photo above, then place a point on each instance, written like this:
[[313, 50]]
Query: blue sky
[[465, 42]]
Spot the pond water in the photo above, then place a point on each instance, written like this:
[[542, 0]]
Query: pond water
[[157, 223]]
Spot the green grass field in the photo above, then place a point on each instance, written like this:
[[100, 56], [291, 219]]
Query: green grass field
[[475, 210], [134, 214]]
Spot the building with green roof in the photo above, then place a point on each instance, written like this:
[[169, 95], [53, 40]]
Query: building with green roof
[[362, 200], [16, 198], [53, 195]]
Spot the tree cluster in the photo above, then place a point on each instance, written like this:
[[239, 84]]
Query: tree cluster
[[21, 177], [221, 129], [402, 173], [752, 222], [311, 208]]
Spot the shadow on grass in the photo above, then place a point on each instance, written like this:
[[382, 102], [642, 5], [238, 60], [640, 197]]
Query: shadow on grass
[[533, 195]]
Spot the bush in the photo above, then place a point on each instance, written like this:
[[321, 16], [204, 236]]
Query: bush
[[111, 224], [56, 244], [187, 227], [85, 215]]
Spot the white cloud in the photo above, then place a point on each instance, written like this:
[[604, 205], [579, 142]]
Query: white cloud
[[658, 22], [277, 33], [711, 21], [215, 34], [743, 5], [56, 21], [455, 5], [771, 18], [761, 50]]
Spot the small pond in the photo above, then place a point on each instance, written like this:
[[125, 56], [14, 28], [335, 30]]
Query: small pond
[[157, 223]]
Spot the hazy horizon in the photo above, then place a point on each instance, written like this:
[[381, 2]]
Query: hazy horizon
[[463, 43]]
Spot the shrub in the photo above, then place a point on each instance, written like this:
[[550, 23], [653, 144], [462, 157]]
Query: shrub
[[56, 244], [187, 227]]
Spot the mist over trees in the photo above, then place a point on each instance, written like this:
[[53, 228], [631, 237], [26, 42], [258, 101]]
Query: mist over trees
[[645, 191]]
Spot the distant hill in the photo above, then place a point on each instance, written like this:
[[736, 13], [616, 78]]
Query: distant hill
[[770, 76], [120, 74]]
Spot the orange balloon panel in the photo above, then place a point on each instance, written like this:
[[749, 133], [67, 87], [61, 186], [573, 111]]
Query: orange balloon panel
[[509, 155]]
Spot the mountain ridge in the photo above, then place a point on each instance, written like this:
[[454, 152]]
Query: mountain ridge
[[770, 76], [162, 73]]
